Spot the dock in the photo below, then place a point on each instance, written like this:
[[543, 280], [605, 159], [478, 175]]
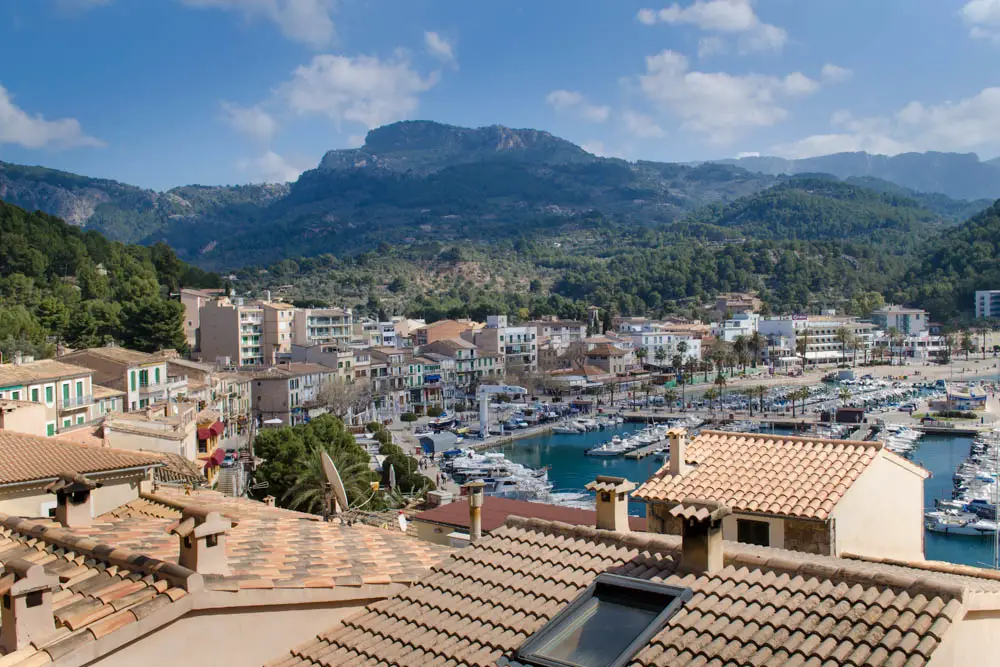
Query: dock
[[644, 451]]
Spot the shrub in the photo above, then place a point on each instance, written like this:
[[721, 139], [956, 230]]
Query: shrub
[[434, 411], [956, 414], [408, 417]]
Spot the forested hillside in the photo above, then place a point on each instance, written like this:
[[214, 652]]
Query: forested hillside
[[59, 283]]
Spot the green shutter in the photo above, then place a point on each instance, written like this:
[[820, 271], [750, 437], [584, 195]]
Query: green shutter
[[34, 395], [15, 396], [132, 374], [66, 422], [50, 429], [66, 391], [157, 374], [48, 394], [79, 388], [79, 419]]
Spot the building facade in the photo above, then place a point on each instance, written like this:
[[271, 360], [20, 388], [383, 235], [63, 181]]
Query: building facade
[[907, 321], [312, 326], [988, 303], [143, 377], [232, 333], [65, 390]]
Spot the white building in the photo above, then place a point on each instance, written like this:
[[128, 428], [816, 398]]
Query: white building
[[313, 326], [907, 321], [740, 324], [654, 340], [821, 335], [518, 345], [988, 303]]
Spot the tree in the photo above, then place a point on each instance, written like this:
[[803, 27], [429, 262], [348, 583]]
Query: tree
[[641, 355], [682, 348], [670, 396], [844, 395], [842, 336], [757, 344], [802, 345], [308, 490], [153, 324], [720, 383], [968, 344], [741, 351], [660, 356]]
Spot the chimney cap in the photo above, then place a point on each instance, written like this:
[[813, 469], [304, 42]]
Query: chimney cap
[[677, 430], [700, 510], [27, 578], [201, 522], [475, 485], [71, 482], [611, 484]]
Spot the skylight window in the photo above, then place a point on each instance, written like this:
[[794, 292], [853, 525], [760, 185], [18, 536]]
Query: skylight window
[[606, 625]]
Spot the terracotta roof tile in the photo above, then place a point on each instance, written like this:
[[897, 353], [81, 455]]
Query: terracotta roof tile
[[26, 458], [750, 472], [765, 607], [272, 547]]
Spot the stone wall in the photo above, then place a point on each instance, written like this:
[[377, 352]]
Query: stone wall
[[809, 536], [658, 520]]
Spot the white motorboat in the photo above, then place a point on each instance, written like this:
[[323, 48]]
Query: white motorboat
[[961, 524]]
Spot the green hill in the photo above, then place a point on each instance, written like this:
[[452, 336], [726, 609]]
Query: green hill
[[59, 283]]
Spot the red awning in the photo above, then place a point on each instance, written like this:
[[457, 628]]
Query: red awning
[[209, 432], [216, 458], [217, 428], [204, 433]]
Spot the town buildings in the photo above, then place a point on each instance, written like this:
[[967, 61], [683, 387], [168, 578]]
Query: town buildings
[[987, 303], [65, 390], [143, 377], [290, 392], [314, 326], [822, 335], [518, 345], [232, 333], [193, 300], [908, 321]]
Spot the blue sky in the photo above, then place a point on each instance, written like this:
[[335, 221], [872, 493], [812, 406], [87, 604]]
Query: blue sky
[[162, 93]]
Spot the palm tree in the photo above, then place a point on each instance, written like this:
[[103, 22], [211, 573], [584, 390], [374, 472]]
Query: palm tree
[[968, 345], [641, 355], [802, 345], [842, 337], [660, 356], [670, 396], [682, 348], [741, 351], [688, 372], [756, 345], [308, 492], [720, 382], [709, 396], [894, 339], [844, 395], [761, 391]]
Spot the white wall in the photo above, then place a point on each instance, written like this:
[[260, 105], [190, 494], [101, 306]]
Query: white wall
[[974, 642], [882, 513], [34, 501]]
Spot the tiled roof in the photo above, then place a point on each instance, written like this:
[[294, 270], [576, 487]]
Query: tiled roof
[[24, 458], [38, 371], [496, 510], [752, 472], [101, 589], [606, 349], [273, 547], [119, 355], [177, 468], [100, 391], [764, 607]]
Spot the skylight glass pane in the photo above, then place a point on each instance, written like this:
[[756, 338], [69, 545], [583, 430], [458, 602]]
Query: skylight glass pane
[[599, 631]]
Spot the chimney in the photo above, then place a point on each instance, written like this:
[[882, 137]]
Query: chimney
[[701, 541], [26, 609], [612, 502], [202, 533], [678, 450], [72, 498], [475, 493], [269, 501]]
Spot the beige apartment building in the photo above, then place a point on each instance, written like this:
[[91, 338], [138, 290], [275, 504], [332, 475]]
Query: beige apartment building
[[312, 326], [820, 496], [278, 320], [232, 333], [193, 300], [143, 377], [290, 392], [66, 390]]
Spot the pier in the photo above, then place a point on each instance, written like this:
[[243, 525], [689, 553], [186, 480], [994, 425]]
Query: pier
[[644, 451]]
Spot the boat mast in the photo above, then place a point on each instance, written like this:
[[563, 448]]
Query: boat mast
[[996, 497]]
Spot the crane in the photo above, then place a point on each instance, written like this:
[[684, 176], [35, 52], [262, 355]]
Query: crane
[[483, 394]]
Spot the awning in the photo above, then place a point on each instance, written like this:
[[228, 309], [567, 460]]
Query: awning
[[209, 432], [215, 460]]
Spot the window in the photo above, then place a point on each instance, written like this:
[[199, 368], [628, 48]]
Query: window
[[15, 396], [753, 532], [606, 625], [66, 422], [49, 394], [79, 388], [50, 429], [34, 395], [132, 380], [79, 419], [66, 392], [157, 375]]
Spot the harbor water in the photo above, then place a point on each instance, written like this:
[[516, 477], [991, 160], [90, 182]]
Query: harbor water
[[570, 470]]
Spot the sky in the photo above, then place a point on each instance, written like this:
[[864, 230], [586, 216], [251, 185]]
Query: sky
[[161, 93]]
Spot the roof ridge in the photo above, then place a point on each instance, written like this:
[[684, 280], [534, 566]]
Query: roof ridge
[[874, 444], [59, 537], [843, 569]]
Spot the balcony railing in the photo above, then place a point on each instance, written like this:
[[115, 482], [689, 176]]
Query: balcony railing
[[73, 402]]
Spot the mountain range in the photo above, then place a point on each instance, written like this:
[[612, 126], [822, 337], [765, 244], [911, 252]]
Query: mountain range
[[420, 180]]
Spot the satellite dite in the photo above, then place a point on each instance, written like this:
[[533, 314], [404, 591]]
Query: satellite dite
[[336, 496]]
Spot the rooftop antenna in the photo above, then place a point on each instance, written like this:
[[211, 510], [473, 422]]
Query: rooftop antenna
[[335, 495]]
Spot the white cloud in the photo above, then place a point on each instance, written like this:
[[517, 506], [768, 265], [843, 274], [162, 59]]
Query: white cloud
[[305, 21], [711, 46], [271, 168], [967, 125], [362, 89], [835, 74], [576, 103], [252, 121], [983, 18], [440, 48], [740, 156], [642, 126], [596, 147], [17, 127], [718, 104], [735, 17]]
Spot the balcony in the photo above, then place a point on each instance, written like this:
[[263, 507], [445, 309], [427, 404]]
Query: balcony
[[172, 384], [74, 402]]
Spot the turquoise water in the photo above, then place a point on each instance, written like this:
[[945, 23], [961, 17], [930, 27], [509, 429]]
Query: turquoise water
[[570, 470]]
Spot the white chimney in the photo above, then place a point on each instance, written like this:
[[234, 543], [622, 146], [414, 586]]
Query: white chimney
[[678, 450], [202, 533], [73, 499], [701, 535], [612, 502], [475, 493]]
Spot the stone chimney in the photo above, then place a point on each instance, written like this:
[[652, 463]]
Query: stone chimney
[[678, 450], [701, 534], [73, 499], [612, 502], [269, 501], [475, 492], [202, 533], [26, 606]]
